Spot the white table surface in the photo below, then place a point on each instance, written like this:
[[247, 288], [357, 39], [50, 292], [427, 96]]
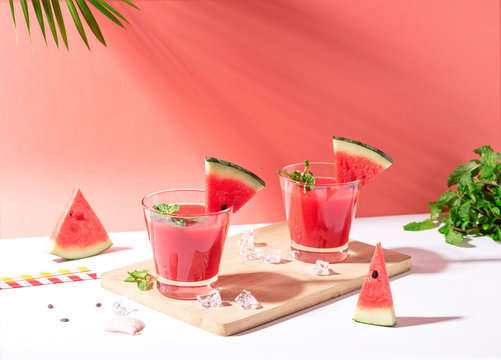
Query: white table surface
[[447, 306]]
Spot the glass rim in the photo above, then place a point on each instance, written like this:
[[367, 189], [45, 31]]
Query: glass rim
[[191, 215], [285, 177]]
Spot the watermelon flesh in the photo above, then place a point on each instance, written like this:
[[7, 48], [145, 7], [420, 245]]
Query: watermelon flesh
[[375, 302], [350, 168], [78, 232], [358, 161], [228, 184]]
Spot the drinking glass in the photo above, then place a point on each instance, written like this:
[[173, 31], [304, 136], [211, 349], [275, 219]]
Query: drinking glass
[[187, 244], [319, 215]]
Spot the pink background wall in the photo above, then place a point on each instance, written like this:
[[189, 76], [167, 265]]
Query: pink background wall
[[259, 83]]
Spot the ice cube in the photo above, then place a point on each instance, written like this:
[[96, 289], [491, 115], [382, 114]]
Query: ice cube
[[210, 300], [122, 306], [247, 239], [271, 256], [251, 253], [320, 268], [124, 325], [246, 300]]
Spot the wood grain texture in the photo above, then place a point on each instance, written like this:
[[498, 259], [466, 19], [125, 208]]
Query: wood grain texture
[[282, 289]]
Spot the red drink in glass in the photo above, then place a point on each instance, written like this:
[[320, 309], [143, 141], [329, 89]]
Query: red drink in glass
[[319, 215], [187, 245]]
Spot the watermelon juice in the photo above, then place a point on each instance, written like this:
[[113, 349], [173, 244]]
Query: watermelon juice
[[319, 216], [187, 245]]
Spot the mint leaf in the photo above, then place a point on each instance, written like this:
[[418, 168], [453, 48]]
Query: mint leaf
[[454, 237], [447, 199], [295, 175], [421, 225], [170, 210], [143, 279], [308, 178], [174, 208], [472, 167], [178, 222], [142, 285], [138, 274], [166, 208]]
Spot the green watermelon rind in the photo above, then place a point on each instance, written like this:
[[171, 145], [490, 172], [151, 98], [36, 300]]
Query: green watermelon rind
[[376, 316], [359, 148], [232, 170], [77, 253]]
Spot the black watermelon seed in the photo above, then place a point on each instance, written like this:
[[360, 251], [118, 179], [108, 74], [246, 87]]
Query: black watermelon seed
[[50, 306], [98, 305], [374, 274], [64, 320], [224, 207]]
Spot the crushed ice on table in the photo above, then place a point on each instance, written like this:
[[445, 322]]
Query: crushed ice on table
[[320, 268], [251, 253], [210, 300], [247, 239], [246, 300], [271, 256], [247, 249], [122, 306], [124, 325]]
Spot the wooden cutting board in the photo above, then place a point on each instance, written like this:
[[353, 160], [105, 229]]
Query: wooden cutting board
[[282, 288]]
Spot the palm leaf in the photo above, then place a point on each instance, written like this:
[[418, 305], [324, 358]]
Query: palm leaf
[[131, 4], [11, 2], [105, 4], [38, 12], [106, 12], [50, 19], [44, 6], [77, 21], [60, 21], [91, 21], [24, 6]]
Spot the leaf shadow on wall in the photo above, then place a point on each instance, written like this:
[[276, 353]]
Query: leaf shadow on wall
[[270, 82]]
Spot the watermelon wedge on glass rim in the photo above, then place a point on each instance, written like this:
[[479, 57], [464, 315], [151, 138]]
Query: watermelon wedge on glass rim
[[358, 161], [78, 232], [229, 184], [375, 302]]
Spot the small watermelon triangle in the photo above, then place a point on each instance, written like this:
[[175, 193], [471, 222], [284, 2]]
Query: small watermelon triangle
[[228, 184], [375, 302], [78, 232], [356, 160]]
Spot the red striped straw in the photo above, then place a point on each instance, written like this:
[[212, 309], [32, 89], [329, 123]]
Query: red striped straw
[[58, 272], [47, 280]]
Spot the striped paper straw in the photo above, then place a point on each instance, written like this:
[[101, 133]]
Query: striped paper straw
[[48, 280], [45, 274]]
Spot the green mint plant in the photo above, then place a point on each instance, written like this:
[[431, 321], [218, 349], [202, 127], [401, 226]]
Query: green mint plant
[[143, 279], [166, 208], [474, 208], [305, 177], [171, 209]]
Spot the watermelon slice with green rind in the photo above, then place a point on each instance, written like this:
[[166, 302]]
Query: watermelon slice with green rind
[[78, 232], [356, 160], [375, 302], [229, 184]]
